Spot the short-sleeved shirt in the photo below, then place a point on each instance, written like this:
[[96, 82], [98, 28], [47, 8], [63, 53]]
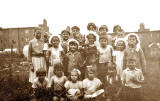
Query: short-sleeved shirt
[[128, 74], [73, 88], [91, 86]]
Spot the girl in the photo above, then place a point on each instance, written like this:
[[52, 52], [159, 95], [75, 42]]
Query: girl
[[73, 56], [105, 57], [118, 55], [55, 53], [92, 87], [40, 86], [57, 83], [74, 86], [134, 50]]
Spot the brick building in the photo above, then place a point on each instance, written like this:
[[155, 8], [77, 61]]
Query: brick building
[[21, 36]]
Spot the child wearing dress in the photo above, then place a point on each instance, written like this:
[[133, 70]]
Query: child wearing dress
[[118, 55], [132, 79], [105, 57], [92, 87], [55, 53], [41, 86], [74, 87], [57, 83], [133, 50]]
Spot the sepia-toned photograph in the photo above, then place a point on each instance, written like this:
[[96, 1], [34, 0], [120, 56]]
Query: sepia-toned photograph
[[80, 50]]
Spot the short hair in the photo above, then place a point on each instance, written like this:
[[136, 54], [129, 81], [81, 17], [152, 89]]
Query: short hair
[[76, 27], [134, 36], [91, 24], [115, 28], [90, 34], [58, 66], [104, 27], [63, 31], [41, 71], [69, 76]]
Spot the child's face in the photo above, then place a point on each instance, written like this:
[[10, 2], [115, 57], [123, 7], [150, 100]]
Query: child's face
[[91, 76], [55, 41], [73, 47], [74, 30], [91, 39], [91, 28], [74, 76], [65, 35], [132, 40], [103, 42], [58, 73], [131, 64], [41, 77], [120, 45], [103, 30]]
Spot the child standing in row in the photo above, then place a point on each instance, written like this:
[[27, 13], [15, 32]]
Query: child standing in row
[[74, 87], [118, 54], [105, 57], [132, 78], [73, 56], [55, 53]]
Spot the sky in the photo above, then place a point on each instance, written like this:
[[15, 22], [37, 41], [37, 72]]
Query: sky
[[62, 13]]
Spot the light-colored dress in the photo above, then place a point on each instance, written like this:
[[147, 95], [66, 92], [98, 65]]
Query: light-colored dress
[[119, 61], [35, 54], [55, 58]]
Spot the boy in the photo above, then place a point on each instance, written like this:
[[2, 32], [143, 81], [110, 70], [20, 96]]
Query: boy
[[132, 78], [41, 86]]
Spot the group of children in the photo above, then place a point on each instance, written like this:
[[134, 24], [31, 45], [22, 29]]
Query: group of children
[[95, 67]]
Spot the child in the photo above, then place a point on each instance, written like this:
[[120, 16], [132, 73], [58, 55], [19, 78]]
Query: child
[[77, 35], [103, 29], [113, 86], [132, 78], [40, 86], [118, 55], [55, 53], [105, 57], [92, 87], [74, 86], [91, 52], [134, 50], [57, 83], [65, 37], [92, 27], [73, 56]]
